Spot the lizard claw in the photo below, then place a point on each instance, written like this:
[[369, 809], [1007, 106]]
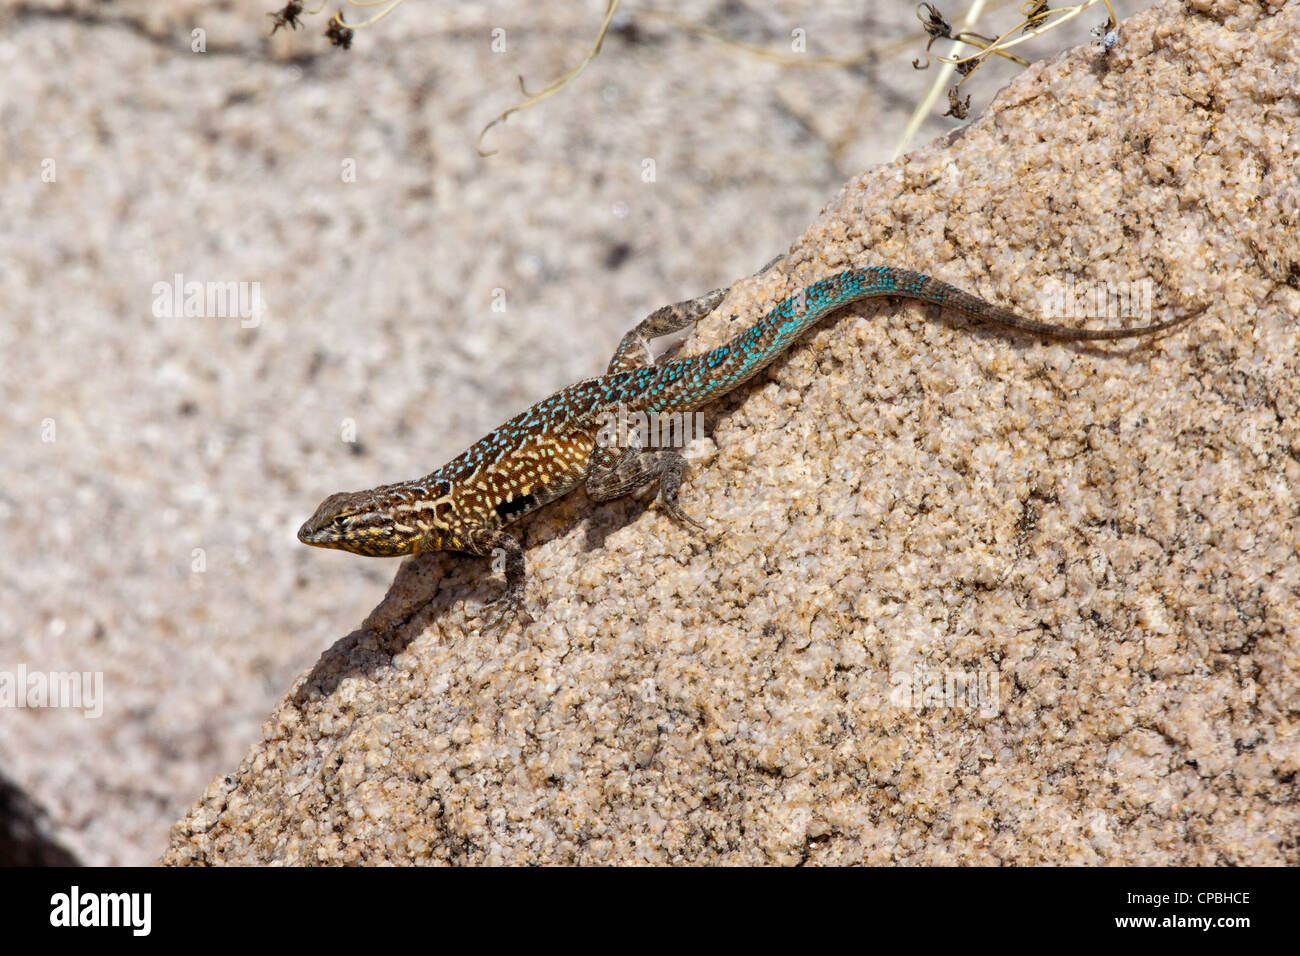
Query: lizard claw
[[674, 510], [503, 610]]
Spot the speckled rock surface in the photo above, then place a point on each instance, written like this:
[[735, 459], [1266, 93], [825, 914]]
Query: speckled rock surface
[[1101, 541]]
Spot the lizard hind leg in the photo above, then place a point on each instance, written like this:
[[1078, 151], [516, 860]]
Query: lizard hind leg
[[634, 350], [610, 476]]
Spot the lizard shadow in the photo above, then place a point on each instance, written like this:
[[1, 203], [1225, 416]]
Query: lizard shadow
[[887, 309], [426, 590], [416, 591], [623, 511]]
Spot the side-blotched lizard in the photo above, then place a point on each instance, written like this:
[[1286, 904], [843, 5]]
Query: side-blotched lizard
[[556, 445]]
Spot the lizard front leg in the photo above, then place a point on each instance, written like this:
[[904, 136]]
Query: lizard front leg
[[611, 475], [488, 543]]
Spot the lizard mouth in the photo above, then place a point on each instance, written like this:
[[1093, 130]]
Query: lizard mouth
[[323, 528], [321, 537], [309, 533]]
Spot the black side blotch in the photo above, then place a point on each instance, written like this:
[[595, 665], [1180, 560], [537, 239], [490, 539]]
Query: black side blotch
[[516, 506]]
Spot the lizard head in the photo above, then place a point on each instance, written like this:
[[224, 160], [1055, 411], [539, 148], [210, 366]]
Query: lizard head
[[373, 523]]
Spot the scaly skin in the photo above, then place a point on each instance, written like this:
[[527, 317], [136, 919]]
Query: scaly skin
[[545, 452]]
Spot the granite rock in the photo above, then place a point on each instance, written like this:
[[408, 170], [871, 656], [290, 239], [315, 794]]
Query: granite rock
[[970, 597]]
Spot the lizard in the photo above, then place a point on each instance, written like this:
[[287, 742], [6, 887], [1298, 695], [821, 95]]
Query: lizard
[[556, 445]]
